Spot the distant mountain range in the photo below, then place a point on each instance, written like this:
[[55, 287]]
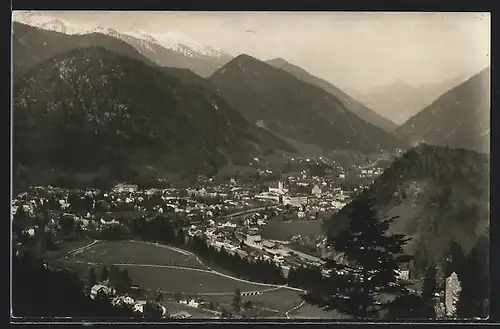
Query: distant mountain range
[[165, 49], [439, 195], [291, 108], [349, 103], [460, 118], [32, 46], [91, 110], [400, 100]]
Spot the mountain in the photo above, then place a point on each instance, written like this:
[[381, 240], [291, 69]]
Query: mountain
[[349, 103], [165, 49], [47, 22], [441, 195], [32, 46], [91, 110], [460, 118], [290, 108], [400, 100]]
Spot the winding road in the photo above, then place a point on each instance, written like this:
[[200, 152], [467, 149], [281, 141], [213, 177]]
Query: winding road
[[273, 287]]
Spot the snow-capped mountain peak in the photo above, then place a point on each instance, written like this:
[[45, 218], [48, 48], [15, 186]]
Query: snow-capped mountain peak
[[174, 41], [47, 22], [141, 35], [180, 42]]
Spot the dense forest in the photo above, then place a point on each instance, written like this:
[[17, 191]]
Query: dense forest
[[109, 115], [440, 196]]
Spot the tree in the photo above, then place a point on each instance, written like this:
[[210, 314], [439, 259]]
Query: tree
[[67, 224], [180, 238], [474, 278], [104, 273], [114, 276], [177, 296], [225, 314], [237, 301], [452, 295], [159, 296], [405, 306], [152, 310], [373, 258], [429, 290], [19, 221], [92, 277], [125, 281]]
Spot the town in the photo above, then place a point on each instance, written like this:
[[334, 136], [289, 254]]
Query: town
[[238, 218]]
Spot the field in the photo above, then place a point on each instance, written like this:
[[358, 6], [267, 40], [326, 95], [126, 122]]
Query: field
[[152, 266], [171, 270], [313, 312], [280, 299], [187, 281], [114, 252], [64, 248], [277, 229]]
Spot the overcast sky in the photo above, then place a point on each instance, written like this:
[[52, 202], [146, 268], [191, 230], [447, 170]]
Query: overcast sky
[[352, 50]]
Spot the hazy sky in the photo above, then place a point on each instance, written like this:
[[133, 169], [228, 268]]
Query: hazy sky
[[350, 49]]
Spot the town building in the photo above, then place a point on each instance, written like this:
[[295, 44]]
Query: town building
[[253, 238], [98, 288], [128, 188], [139, 306], [279, 189], [267, 196], [269, 244], [193, 303], [295, 201], [316, 190]]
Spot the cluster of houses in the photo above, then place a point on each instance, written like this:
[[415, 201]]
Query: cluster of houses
[[137, 305]]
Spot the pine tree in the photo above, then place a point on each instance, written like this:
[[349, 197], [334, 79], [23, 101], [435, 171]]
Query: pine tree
[[126, 281], [474, 277], [429, 289], [19, 221], [92, 277], [373, 260], [181, 238], [104, 273], [114, 276], [237, 301]]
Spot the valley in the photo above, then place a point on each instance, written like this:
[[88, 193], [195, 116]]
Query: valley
[[159, 178]]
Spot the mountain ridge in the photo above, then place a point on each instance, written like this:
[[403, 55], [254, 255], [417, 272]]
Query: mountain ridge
[[165, 49], [458, 118], [401, 100], [136, 123], [440, 195], [290, 107], [351, 104]]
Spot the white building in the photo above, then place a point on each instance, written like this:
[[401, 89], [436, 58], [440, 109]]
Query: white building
[[279, 189], [130, 188], [403, 274], [99, 288], [295, 201], [253, 238], [139, 306], [267, 196], [193, 303], [316, 190]]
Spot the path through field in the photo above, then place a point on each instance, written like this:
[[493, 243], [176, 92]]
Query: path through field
[[187, 253]]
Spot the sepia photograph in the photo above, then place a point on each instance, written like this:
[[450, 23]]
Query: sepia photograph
[[287, 166]]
